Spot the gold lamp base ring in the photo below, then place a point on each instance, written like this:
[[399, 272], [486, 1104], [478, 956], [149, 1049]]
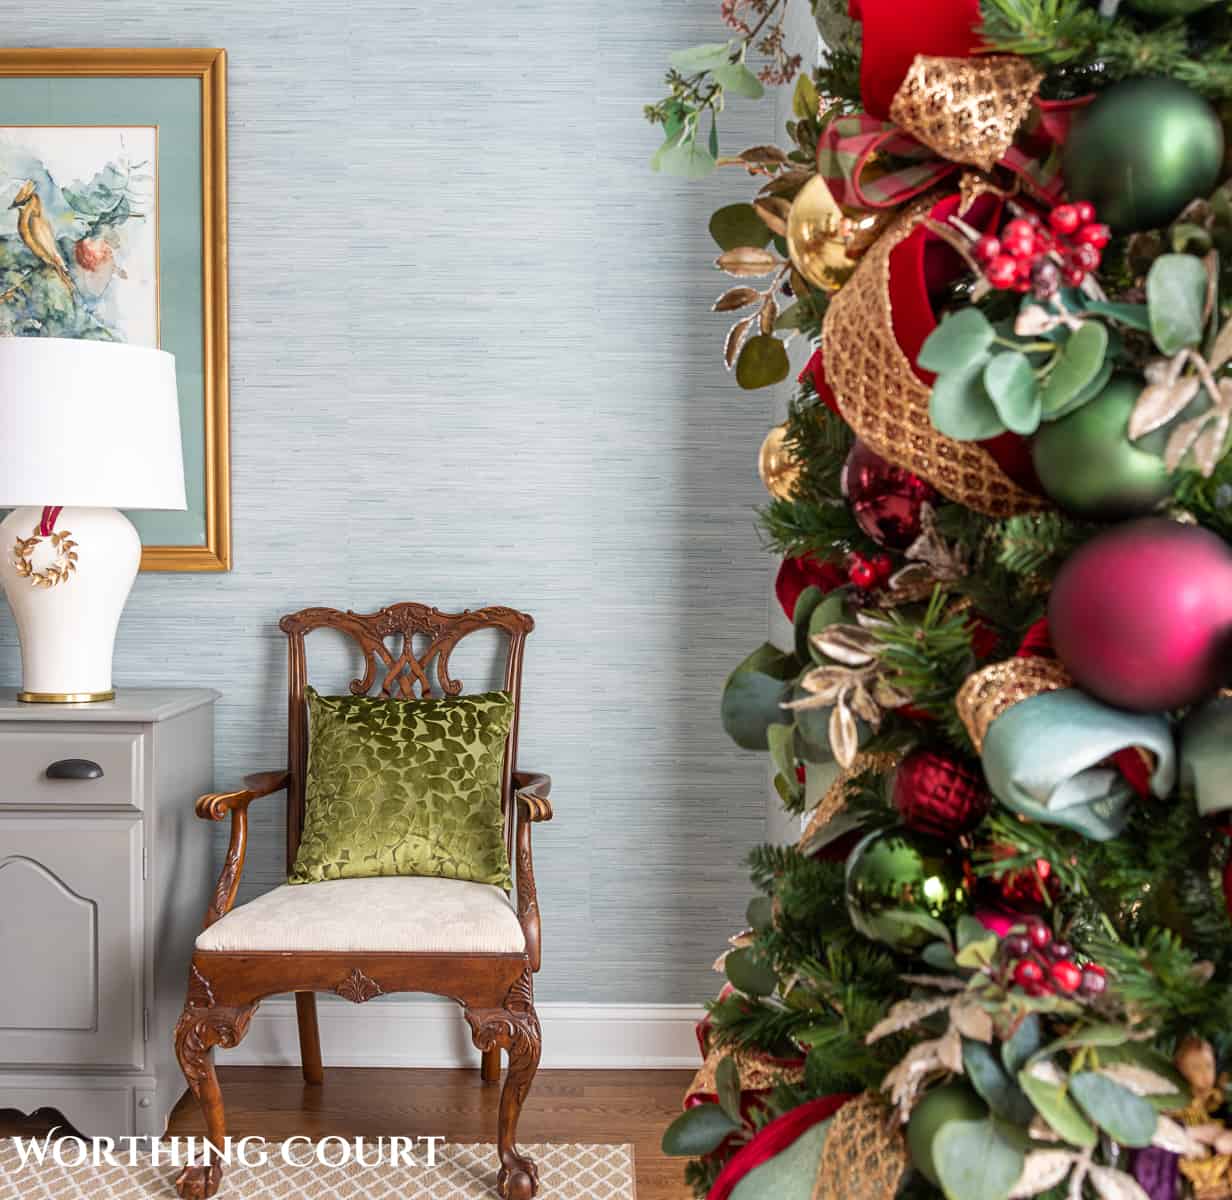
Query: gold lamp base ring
[[64, 697]]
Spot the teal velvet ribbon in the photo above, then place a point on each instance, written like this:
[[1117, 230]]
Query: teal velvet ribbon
[[1043, 757], [1206, 755]]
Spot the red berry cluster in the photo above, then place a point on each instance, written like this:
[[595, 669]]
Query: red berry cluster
[[868, 573], [1042, 965], [1029, 257]]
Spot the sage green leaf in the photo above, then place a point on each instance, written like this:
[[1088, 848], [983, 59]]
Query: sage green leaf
[[760, 913], [669, 143], [713, 144], [697, 1131], [736, 225], [1087, 394], [961, 408], [739, 80], [1139, 1055], [781, 739], [1052, 1103], [962, 338], [1101, 1034], [805, 100], [1026, 1040], [752, 696], [762, 362], [1175, 297], [701, 58], [806, 605], [748, 973], [1136, 316], [939, 956], [830, 611], [688, 160], [979, 953], [978, 1160], [1125, 1117], [1010, 382], [995, 1085], [969, 930], [1079, 362], [727, 1087]]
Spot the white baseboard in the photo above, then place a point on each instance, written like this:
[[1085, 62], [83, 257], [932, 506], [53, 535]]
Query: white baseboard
[[406, 1032]]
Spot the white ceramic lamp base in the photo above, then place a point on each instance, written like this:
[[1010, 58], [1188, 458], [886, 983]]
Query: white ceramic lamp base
[[67, 610]]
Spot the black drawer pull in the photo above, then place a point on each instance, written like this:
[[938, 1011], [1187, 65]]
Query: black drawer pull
[[74, 768]]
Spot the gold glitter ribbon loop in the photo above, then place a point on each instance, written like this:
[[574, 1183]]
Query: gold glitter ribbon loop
[[865, 1154], [985, 695]]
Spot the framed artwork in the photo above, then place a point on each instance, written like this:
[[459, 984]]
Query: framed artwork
[[113, 226]]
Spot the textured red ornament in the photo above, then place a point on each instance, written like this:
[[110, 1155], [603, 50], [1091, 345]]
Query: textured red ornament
[[885, 499], [1025, 886], [796, 574], [1141, 615], [939, 795]]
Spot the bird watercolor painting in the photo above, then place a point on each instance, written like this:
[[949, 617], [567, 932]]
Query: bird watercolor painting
[[79, 232]]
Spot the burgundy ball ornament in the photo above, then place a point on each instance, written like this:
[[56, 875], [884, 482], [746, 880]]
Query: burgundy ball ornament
[[940, 795], [885, 499], [1142, 615]]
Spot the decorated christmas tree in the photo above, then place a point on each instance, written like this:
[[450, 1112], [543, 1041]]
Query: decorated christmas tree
[[998, 963]]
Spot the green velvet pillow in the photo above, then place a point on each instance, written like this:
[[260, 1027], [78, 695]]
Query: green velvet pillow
[[405, 787]]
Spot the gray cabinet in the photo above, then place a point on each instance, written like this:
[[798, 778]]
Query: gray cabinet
[[104, 877]]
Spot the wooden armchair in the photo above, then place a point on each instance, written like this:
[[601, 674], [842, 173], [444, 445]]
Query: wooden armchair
[[465, 941]]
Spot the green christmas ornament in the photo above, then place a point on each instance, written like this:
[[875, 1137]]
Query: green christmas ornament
[[1142, 151], [951, 1102], [904, 888], [1088, 465]]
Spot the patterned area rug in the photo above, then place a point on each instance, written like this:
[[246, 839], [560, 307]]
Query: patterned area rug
[[462, 1172]]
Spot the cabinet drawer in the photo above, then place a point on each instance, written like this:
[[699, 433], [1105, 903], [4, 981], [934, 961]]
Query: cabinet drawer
[[25, 755]]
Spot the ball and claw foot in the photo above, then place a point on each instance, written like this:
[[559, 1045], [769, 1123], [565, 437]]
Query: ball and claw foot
[[522, 1183], [199, 1182]]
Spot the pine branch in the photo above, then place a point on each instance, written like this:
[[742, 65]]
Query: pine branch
[[797, 527], [1037, 543]]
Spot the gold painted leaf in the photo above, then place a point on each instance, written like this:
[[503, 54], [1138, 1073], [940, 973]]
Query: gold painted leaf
[[972, 1022], [1159, 403], [904, 1014], [735, 335], [763, 154], [773, 211], [768, 314], [1111, 1184], [1041, 1170], [1180, 441], [844, 735], [734, 298], [746, 261]]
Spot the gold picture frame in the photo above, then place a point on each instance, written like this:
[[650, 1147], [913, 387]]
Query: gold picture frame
[[209, 67]]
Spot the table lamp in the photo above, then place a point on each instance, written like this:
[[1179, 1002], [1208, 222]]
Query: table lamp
[[86, 428]]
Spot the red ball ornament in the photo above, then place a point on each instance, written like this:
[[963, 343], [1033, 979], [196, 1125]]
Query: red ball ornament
[[1142, 615], [939, 795], [885, 499]]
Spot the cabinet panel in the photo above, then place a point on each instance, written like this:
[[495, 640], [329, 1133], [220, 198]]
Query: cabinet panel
[[27, 753], [70, 940]]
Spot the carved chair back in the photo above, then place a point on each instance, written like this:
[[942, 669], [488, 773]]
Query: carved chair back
[[399, 669]]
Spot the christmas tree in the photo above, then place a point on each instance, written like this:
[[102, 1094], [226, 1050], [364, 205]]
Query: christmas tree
[[998, 963]]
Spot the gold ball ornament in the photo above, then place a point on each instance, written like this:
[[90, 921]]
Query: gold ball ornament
[[775, 464], [824, 239]]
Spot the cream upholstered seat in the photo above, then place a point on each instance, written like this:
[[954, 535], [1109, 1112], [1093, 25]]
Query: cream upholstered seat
[[405, 914]]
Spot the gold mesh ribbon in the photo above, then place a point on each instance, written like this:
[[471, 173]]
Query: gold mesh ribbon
[[864, 1156], [835, 799], [881, 398], [966, 109], [757, 1072], [985, 695]]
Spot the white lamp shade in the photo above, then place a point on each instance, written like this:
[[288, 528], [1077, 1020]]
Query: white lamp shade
[[90, 424]]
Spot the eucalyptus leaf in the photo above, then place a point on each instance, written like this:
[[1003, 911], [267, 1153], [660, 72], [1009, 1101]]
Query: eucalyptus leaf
[[752, 696], [1061, 1113], [697, 1131], [1026, 1040], [961, 339], [1126, 1118], [748, 973], [1079, 363], [1101, 1034], [713, 144], [670, 143], [1136, 316], [1138, 1054], [804, 100], [739, 80], [978, 1160], [701, 58], [1086, 395], [762, 362], [830, 611], [781, 739], [806, 605], [961, 408], [1176, 297], [736, 225], [968, 930], [995, 1085], [760, 913], [1010, 382], [727, 1087], [687, 159], [939, 956]]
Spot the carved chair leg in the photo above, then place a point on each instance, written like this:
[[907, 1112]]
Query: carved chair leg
[[201, 1027], [515, 1029], [309, 1037], [490, 1066]]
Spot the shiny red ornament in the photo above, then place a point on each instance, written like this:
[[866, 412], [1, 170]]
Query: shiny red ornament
[[885, 499], [939, 795], [1142, 615]]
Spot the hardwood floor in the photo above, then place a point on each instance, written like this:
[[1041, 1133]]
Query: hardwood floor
[[563, 1106]]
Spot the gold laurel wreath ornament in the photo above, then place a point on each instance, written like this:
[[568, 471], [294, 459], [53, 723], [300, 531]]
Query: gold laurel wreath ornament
[[62, 567]]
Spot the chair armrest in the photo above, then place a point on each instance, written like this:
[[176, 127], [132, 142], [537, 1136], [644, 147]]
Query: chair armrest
[[531, 790], [214, 806]]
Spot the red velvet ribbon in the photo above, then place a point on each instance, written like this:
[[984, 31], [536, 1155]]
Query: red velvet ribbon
[[47, 523], [774, 1139]]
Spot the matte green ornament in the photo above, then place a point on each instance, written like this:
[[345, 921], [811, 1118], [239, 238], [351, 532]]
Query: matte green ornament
[[1142, 151], [951, 1102], [1088, 465], [904, 888]]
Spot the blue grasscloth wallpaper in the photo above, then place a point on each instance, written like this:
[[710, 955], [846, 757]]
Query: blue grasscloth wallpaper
[[471, 362]]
